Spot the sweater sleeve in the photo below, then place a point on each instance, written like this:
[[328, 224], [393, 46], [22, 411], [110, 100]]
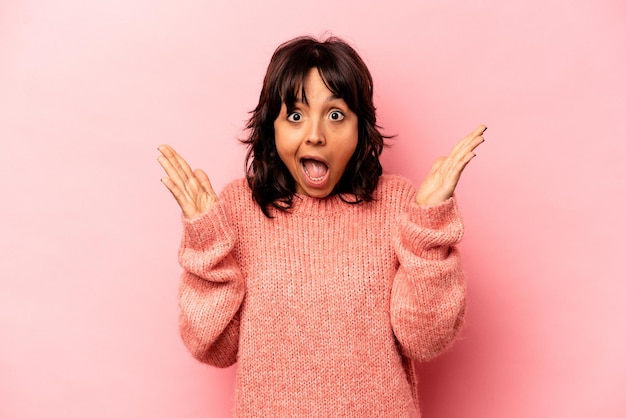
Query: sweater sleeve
[[428, 292], [211, 289]]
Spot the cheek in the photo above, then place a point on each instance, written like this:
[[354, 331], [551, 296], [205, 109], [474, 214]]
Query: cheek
[[351, 144], [285, 149], [348, 154], [283, 156]]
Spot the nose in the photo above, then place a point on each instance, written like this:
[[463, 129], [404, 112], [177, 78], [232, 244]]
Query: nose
[[316, 134]]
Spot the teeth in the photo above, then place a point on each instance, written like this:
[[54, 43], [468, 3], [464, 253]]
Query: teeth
[[312, 178]]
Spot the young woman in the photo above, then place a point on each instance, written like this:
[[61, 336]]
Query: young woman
[[322, 277]]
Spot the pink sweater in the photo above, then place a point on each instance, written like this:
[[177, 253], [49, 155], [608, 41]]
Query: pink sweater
[[322, 307]]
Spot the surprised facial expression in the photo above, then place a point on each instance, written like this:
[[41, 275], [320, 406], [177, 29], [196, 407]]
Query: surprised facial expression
[[316, 139]]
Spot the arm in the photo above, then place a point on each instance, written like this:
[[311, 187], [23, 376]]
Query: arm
[[428, 292], [211, 289]]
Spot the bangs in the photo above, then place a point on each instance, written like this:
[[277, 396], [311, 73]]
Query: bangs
[[337, 75]]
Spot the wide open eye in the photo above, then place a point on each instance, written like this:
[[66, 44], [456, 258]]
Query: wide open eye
[[336, 115], [294, 117]]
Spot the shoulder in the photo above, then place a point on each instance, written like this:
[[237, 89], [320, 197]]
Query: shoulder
[[394, 192], [237, 196], [393, 185], [236, 188], [236, 193]]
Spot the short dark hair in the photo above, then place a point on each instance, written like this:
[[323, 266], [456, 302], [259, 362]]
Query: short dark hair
[[347, 77]]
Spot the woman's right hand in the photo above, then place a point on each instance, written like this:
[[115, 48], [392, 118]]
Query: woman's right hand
[[191, 189]]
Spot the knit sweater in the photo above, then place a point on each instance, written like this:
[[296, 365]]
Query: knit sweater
[[323, 306]]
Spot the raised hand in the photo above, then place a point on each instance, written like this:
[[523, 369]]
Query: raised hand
[[445, 173], [191, 189]]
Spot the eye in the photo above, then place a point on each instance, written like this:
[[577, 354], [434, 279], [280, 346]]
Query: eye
[[336, 115], [294, 117]]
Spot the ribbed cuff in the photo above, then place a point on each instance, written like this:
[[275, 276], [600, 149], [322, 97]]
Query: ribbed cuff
[[207, 228]]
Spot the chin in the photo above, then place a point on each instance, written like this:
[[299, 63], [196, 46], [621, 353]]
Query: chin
[[318, 193]]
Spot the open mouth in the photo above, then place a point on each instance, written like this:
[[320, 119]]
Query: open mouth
[[314, 169]]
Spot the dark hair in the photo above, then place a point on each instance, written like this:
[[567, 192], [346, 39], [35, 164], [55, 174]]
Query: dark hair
[[347, 77]]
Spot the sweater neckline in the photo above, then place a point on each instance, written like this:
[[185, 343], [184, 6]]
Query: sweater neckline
[[304, 205]]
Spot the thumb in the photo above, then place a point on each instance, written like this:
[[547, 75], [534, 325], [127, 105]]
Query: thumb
[[204, 181]]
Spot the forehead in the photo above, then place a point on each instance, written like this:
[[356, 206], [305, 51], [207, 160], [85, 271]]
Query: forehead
[[311, 86], [315, 86]]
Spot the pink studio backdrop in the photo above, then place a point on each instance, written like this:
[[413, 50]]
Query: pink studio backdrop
[[88, 273]]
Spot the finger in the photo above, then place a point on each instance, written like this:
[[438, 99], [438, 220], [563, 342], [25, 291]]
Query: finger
[[172, 173], [204, 181], [480, 129], [452, 167], [461, 164], [183, 164], [461, 160], [478, 132], [465, 146], [475, 142], [474, 139], [176, 161], [453, 175], [180, 197], [438, 162], [461, 148], [178, 170], [171, 186], [167, 152], [168, 160]]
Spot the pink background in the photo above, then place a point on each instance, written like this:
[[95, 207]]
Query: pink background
[[88, 273]]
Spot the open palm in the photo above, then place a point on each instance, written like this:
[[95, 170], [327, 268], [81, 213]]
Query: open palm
[[445, 173], [191, 189]]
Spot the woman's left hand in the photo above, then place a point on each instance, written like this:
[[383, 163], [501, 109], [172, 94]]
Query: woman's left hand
[[445, 173]]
